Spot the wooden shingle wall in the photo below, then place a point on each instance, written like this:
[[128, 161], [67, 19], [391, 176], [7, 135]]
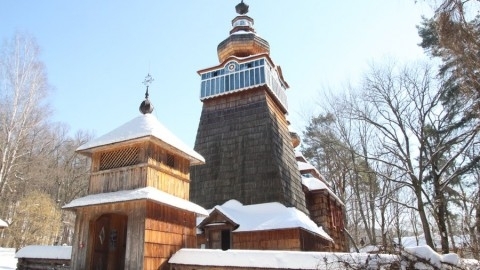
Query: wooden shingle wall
[[327, 212], [245, 139]]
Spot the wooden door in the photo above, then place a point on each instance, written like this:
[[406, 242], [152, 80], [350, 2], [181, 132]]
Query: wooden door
[[109, 236]]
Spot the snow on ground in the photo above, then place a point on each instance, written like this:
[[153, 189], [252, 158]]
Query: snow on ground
[[7, 259]]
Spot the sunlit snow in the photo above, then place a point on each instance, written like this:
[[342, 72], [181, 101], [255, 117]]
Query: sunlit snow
[[140, 127], [149, 193]]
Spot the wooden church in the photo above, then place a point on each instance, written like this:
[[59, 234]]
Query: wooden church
[[148, 192]]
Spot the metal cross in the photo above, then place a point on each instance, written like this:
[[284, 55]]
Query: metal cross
[[148, 80]]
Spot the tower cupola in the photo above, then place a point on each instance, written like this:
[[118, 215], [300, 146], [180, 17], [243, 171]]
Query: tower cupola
[[243, 41], [146, 106]]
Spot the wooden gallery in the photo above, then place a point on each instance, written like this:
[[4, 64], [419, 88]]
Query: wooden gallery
[[242, 187]]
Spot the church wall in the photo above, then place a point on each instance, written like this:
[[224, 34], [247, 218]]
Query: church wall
[[325, 211], [294, 239], [150, 165], [248, 151], [84, 237], [126, 178], [165, 180], [167, 230]]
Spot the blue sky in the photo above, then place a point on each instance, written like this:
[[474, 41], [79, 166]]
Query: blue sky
[[97, 53]]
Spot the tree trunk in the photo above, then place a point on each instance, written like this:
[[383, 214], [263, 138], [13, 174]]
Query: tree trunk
[[423, 218], [440, 211]]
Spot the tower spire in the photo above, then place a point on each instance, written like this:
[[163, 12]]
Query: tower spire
[[146, 106], [243, 40]]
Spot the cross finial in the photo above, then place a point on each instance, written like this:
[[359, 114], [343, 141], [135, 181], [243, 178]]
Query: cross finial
[[146, 106], [148, 80]]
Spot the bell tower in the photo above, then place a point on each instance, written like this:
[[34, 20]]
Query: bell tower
[[243, 131]]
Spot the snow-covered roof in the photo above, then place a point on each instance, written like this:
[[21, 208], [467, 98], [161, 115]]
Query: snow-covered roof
[[143, 126], [3, 224], [313, 183], [45, 252], [7, 259], [302, 166], [299, 155], [267, 216], [272, 259], [148, 193]]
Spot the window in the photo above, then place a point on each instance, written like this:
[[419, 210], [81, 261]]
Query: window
[[235, 76], [237, 81], [170, 161]]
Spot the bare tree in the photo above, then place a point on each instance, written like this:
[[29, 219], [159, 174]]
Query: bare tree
[[418, 136], [23, 108]]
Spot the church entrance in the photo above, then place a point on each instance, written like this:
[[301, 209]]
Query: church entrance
[[109, 242]]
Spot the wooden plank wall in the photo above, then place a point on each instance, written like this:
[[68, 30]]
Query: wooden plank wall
[[167, 230], [83, 238], [151, 171], [126, 178], [162, 179], [287, 239]]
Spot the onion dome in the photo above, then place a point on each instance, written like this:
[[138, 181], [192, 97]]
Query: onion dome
[[243, 41], [146, 106]]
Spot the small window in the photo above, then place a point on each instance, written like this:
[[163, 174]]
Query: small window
[[170, 160]]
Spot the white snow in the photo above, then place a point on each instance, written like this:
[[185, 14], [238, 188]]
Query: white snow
[[143, 126], [3, 224], [302, 166], [275, 259], [433, 257], [45, 252], [369, 249], [149, 193], [313, 183], [267, 216], [7, 259]]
